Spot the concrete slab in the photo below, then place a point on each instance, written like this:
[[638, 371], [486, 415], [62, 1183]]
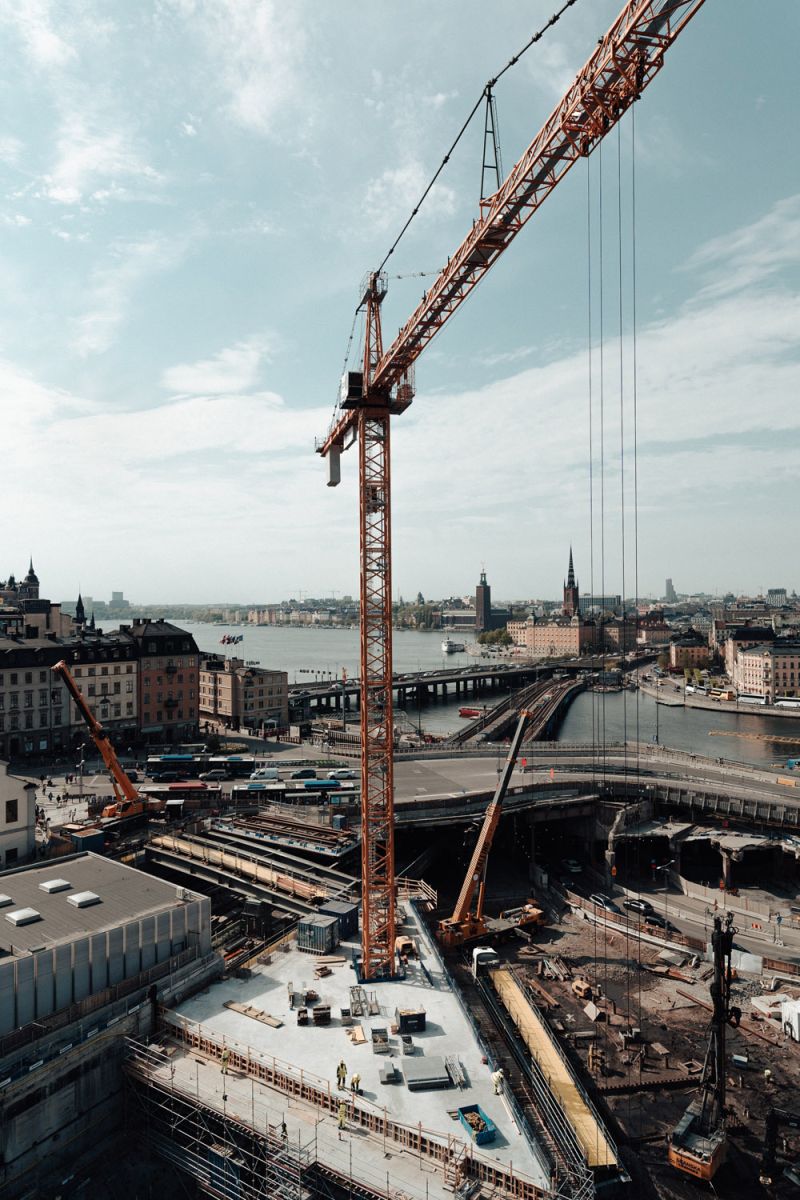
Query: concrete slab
[[318, 1050]]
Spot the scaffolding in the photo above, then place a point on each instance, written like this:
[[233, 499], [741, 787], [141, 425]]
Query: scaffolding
[[241, 1151], [225, 1156]]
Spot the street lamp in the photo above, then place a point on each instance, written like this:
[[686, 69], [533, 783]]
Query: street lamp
[[665, 867]]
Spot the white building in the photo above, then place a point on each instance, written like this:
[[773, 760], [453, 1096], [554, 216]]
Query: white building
[[17, 819]]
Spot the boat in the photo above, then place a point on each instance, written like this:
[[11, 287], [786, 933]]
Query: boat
[[449, 647], [470, 712], [231, 639]]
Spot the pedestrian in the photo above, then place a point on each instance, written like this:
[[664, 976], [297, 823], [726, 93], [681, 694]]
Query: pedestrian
[[225, 1057], [342, 1117]]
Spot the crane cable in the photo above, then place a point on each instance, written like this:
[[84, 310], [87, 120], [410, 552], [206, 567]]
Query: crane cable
[[556, 17]]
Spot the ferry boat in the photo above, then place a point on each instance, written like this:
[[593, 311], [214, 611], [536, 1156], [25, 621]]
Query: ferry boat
[[449, 647], [470, 712]]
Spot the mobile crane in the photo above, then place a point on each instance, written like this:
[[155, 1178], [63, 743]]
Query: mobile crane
[[128, 803], [622, 65], [465, 925], [698, 1143]]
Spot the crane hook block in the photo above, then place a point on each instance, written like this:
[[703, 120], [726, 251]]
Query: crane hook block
[[334, 457]]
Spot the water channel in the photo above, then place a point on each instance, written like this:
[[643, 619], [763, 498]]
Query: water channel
[[314, 653]]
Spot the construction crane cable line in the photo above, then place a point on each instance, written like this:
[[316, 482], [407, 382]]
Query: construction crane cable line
[[487, 91], [622, 65]]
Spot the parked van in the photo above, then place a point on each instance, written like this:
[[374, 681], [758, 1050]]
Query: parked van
[[270, 773]]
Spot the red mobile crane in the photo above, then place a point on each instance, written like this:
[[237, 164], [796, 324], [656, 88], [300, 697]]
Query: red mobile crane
[[625, 61], [129, 803]]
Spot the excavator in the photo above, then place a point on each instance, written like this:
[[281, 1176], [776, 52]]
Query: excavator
[[698, 1143], [128, 803], [466, 925]]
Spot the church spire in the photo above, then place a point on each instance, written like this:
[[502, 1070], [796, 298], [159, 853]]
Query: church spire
[[571, 571], [80, 612]]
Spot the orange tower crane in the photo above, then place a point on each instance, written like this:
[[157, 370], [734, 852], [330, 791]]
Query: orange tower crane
[[129, 802], [623, 64]]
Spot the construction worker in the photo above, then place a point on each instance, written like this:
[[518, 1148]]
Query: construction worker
[[341, 1074], [342, 1116], [497, 1080], [355, 1084], [225, 1056]]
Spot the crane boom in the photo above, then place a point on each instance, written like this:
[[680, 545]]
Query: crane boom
[[124, 789], [624, 63], [627, 58], [463, 921]]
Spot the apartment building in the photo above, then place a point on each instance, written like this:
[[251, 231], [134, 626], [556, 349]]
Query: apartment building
[[240, 695], [168, 694], [770, 671]]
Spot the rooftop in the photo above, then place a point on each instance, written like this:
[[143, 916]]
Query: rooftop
[[313, 1052], [124, 893]]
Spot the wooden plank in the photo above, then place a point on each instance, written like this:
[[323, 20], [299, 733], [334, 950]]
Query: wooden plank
[[257, 1014]]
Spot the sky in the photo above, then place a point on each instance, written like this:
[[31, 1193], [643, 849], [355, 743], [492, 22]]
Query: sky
[[192, 192]]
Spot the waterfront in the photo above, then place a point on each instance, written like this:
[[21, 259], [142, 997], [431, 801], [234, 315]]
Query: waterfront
[[322, 653]]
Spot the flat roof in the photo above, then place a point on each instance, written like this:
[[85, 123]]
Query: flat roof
[[317, 1050], [125, 894]]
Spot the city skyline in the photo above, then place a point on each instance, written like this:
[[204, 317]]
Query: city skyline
[[188, 212]]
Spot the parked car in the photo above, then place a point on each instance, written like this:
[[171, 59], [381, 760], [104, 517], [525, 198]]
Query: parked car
[[638, 906], [214, 776], [169, 776], [271, 773], [658, 922], [343, 773], [571, 866], [304, 773], [603, 902]]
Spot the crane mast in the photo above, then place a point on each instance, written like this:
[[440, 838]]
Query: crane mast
[[625, 61]]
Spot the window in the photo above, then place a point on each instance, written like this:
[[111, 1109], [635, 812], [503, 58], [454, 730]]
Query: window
[[43, 677], [2, 724], [159, 716], [90, 670], [13, 677], [56, 697], [104, 670], [29, 699], [128, 709], [12, 811], [43, 698], [11, 856], [128, 685], [116, 670], [15, 722], [117, 710], [147, 716], [129, 670], [29, 676], [91, 689], [43, 719], [29, 720], [77, 672], [104, 687]]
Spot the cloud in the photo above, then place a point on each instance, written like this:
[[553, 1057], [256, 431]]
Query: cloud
[[90, 150], [752, 254], [235, 369], [392, 195], [113, 285], [42, 44], [10, 150], [259, 50]]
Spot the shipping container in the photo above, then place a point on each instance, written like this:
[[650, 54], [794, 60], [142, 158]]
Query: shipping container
[[346, 913], [88, 839], [318, 934]]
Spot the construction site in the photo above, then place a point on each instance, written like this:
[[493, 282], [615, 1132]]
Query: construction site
[[457, 996]]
